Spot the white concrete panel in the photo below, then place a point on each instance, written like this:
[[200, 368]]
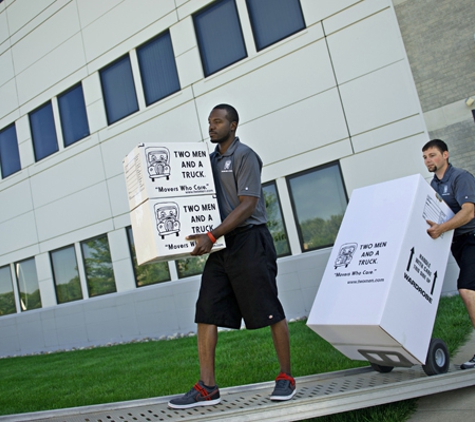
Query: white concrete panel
[[20, 13], [158, 128], [67, 58], [379, 98], [9, 98], [314, 11], [183, 36], [124, 275], [388, 162], [18, 233], [74, 212], [358, 11], [367, 45], [96, 114], [46, 37], [189, 67], [91, 86], [289, 80], [119, 245], [309, 159], [288, 137], [393, 132], [76, 236], [118, 195], [18, 198], [123, 21], [73, 175], [6, 65], [4, 33], [90, 10]]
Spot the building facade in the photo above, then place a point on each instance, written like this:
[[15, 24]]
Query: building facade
[[326, 97]]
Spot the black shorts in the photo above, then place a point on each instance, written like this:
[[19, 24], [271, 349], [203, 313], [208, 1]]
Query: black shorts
[[463, 250], [239, 282]]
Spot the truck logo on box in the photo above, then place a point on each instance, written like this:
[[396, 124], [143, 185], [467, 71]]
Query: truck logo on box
[[345, 255], [166, 215], [158, 159]]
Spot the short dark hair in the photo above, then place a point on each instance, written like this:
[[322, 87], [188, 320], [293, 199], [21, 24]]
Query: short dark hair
[[232, 114], [436, 143]]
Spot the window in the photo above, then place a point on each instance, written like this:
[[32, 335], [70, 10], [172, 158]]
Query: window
[[65, 274], [118, 89], [275, 222], [98, 266], [150, 273], [219, 35], [7, 297], [9, 154], [187, 267], [274, 20], [319, 201], [28, 285], [72, 111], [43, 131], [158, 68]]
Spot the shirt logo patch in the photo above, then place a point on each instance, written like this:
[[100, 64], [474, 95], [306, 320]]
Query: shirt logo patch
[[227, 167]]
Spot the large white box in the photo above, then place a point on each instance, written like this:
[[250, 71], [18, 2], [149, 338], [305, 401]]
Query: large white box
[[381, 287], [168, 169]]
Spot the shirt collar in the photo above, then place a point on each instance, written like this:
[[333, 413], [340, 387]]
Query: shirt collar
[[230, 150], [446, 176]]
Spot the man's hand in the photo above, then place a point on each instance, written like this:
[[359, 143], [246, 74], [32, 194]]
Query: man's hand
[[434, 230], [203, 244]]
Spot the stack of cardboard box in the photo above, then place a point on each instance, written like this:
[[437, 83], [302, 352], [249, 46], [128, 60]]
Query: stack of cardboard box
[[171, 195]]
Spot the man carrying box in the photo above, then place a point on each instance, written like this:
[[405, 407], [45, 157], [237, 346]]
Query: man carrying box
[[238, 282], [457, 189]]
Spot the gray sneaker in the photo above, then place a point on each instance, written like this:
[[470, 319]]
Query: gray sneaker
[[284, 388], [199, 395], [469, 364]]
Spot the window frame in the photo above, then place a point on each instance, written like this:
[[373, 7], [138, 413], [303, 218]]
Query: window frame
[[256, 30], [284, 227], [202, 48], [64, 115], [85, 266], [35, 130], [294, 205], [131, 243], [107, 101], [55, 274], [144, 75], [20, 291], [5, 131]]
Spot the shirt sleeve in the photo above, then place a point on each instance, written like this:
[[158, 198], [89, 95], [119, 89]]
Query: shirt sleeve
[[465, 188], [248, 179]]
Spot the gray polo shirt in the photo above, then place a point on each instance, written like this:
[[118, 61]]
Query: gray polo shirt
[[456, 187], [237, 172]]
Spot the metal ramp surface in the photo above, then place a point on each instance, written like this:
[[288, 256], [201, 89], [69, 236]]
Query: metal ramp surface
[[317, 395]]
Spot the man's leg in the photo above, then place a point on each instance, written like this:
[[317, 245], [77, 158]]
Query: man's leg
[[468, 297], [281, 338], [207, 340]]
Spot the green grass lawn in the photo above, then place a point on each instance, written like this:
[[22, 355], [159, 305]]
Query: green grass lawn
[[159, 368]]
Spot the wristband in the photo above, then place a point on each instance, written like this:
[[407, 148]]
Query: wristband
[[211, 237]]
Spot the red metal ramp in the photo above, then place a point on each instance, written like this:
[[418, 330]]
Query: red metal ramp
[[317, 395]]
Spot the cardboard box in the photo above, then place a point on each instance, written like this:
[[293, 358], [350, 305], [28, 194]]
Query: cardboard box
[[381, 287], [160, 226], [161, 170]]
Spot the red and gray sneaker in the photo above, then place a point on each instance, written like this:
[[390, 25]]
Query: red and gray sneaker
[[199, 395], [284, 388], [470, 364]]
